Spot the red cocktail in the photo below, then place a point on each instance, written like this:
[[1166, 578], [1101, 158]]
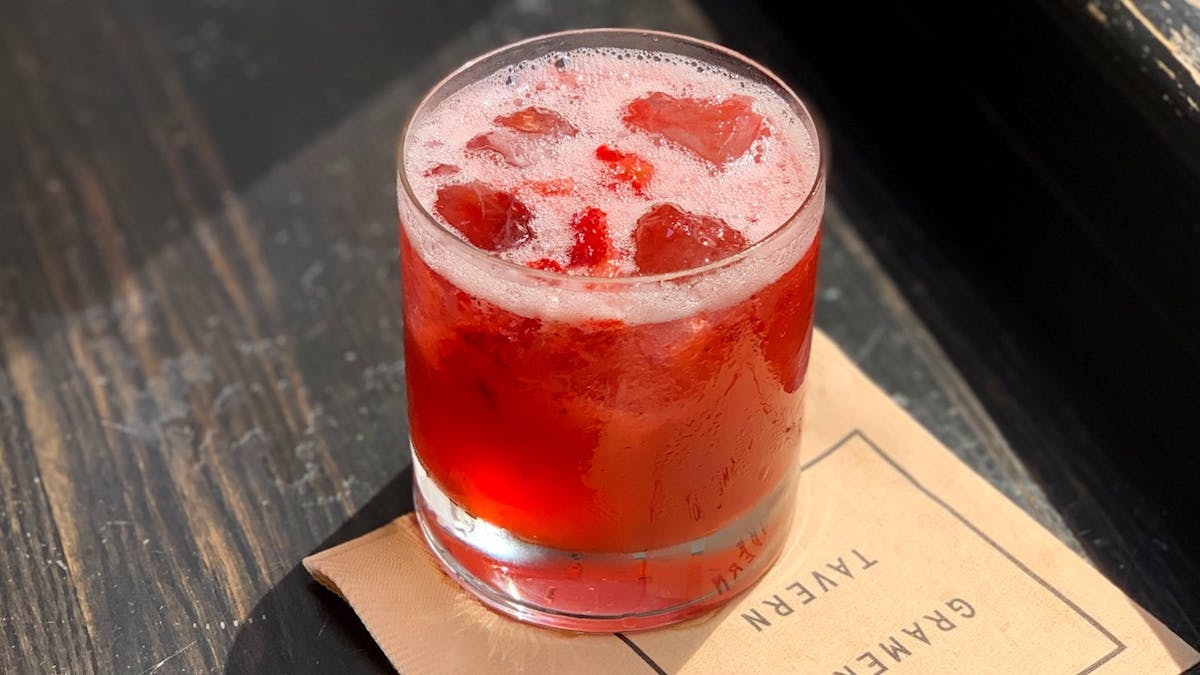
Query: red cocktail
[[609, 244]]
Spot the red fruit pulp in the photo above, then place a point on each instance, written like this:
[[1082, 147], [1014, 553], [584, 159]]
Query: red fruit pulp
[[535, 120], [546, 265], [719, 130], [511, 142], [669, 239], [592, 246], [491, 219], [625, 168], [502, 145]]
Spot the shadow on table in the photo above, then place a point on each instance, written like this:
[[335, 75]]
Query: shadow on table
[[299, 627]]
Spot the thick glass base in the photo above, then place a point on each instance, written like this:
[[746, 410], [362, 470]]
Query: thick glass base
[[601, 592]]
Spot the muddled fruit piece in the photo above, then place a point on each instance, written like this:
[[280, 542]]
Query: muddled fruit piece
[[669, 239], [511, 142], [625, 167], [718, 130], [535, 120], [546, 264], [441, 170], [592, 245], [491, 219], [503, 145]]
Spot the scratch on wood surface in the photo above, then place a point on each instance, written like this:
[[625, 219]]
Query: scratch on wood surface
[[311, 273], [154, 668], [268, 346], [251, 438], [140, 433], [190, 367], [382, 376], [227, 393], [869, 345]]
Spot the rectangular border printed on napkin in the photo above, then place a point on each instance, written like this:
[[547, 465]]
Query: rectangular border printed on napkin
[[857, 435]]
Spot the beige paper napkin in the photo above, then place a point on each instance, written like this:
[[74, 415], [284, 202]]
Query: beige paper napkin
[[902, 560]]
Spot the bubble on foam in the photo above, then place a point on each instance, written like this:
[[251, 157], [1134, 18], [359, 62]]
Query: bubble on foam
[[590, 88]]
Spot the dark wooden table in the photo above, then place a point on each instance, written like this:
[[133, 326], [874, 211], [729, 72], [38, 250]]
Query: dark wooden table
[[201, 370]]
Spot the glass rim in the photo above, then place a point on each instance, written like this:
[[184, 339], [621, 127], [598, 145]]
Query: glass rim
[[815, 189]]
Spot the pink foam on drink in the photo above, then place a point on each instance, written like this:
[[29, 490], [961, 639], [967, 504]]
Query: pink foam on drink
[[591, 89]]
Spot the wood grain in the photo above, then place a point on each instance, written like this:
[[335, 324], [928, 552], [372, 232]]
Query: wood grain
[[201, 376], [1163, 36]]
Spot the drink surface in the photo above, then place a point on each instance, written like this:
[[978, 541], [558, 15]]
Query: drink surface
[[590, 414], [612, 163]]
